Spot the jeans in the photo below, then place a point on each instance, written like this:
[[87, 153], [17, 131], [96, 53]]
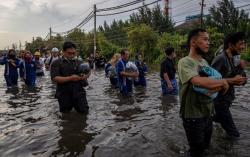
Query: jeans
[[165, 90]]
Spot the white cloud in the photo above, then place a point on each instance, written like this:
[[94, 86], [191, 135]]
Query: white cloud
[[10, 4]]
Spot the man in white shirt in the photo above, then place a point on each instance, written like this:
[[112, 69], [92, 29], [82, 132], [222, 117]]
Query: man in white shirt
[[54, 56]]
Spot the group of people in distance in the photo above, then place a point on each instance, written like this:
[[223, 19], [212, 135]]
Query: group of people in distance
[[206, 91], [30, 66], [123, 73]]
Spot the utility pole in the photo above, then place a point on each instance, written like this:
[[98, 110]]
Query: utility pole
[[201, 16], [20, 45], [50, 33], [166, 7], [94, 34]]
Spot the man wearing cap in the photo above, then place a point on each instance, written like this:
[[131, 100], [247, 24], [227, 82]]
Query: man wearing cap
[[39, 64], [54, 56]]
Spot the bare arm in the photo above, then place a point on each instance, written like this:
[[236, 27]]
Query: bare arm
[[208, 83], [166, 78], [237, 80], [129, 74], [72, 78]]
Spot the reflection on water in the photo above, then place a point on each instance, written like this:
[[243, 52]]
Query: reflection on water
[[143, 125], [74, 138]]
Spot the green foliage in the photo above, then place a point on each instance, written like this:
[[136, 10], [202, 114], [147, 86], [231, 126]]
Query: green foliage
[[56, 41], [107, 49], [175, 40], [246, 54], [227, 18], [78, 37], [155, 18], [38, 43], [149, 31], [142, 39], [216, 40]]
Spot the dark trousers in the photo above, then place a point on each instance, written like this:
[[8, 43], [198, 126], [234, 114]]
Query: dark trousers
[[11, 80], [30, 81], [40, 74], [114, 82], [141, 81], [198, 132], [224, 117], [126, 89], [77, 100]]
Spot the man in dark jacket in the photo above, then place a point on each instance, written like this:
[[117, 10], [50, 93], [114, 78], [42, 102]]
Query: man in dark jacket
[[65, 72]]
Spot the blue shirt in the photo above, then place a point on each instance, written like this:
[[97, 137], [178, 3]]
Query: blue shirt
[[10, 70]]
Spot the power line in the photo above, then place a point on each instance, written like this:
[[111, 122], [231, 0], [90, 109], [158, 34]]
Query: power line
[[181, 4], [129, 9], [243, 6], [102, 2], [85, 21], [120, 6]]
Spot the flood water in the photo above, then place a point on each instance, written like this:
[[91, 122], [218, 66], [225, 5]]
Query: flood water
[[144, 125]]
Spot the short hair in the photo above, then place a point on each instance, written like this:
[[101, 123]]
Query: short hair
[[233, 38], [169, 50], [137, 55], [194, 33], [123, 51], [68, 45], [11, 50]]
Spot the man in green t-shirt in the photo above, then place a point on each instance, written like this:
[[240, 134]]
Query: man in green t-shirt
[[197, 108]]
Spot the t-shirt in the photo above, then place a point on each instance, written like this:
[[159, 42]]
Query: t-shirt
[[50, 60], [120, 67], [64, 67], [227, 69], [167, 66], [193, 104], [39, 66]]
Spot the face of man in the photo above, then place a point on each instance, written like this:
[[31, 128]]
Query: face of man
[[238, 47], [139, 57], [37, 57], [69, 53], [55, 54], [173, 55], [201, 43], [22, 54], [28, 56], [126, 56]]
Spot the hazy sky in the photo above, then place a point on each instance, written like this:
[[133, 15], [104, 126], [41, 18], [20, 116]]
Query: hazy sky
[[20, 20]]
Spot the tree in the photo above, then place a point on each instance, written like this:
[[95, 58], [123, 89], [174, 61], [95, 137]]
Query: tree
[[175, 40], [142, 39], [78, 37], [107, 49], [226, 17]]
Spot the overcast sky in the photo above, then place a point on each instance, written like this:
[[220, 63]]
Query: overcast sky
[[20, 20]]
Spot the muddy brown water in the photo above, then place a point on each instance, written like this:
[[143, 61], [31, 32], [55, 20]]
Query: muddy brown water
[[144, 125]]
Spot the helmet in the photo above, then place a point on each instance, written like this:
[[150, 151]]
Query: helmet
[[37, 53], [55, 49]]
